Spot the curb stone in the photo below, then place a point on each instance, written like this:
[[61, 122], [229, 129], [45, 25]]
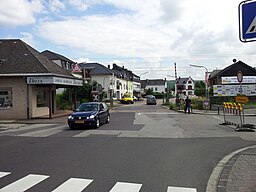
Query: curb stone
[[212, 185]]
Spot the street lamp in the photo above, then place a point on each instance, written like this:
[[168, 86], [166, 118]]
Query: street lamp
[[140, 81], [206, 79]]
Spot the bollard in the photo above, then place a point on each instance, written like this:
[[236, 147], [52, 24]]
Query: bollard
[[218, 109]]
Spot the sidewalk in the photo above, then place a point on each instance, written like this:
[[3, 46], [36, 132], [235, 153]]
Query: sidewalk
[[235, 173], [60, 116]]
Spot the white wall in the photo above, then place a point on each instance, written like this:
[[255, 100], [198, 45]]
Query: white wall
[[160, 88]]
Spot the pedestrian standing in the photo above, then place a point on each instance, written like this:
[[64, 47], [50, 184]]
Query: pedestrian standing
[[187, 105]]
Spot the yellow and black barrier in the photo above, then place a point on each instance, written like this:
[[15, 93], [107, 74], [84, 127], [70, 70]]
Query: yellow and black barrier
[[233, 114]]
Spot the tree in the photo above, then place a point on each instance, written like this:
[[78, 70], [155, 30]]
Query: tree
[[200, 88], [149, 91]]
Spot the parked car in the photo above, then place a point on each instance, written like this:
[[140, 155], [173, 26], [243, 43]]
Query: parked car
[[127, 98], [89, 114], [151, 100]]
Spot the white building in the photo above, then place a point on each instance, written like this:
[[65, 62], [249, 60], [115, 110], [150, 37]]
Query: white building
[[185, 86], [156, 85]]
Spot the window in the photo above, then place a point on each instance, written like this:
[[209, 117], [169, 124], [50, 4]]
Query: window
[[155, 88], [41, 98], [189, 82], [5, 97], [189, 87]]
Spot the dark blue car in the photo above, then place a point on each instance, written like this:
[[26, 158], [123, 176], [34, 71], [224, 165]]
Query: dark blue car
[[89, 114]]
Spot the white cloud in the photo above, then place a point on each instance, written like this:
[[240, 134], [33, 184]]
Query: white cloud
[[19, 12], [200, 32], [79, 4], [83, 60], [56, 5], [28, 38]]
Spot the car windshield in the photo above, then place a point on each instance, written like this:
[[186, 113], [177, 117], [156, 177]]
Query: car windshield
[[151, 97], [87, 107]]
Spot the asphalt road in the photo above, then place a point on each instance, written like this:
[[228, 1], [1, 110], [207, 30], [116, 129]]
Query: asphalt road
[[145, 148]]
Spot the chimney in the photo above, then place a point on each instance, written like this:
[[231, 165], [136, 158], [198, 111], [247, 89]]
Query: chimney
[[109, 66]]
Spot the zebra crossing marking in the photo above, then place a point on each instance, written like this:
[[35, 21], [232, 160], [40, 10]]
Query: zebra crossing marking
[[180, 189], [2, 174], [44, 133], [126, 187], [23, 127], [74, 185], [24, 183]]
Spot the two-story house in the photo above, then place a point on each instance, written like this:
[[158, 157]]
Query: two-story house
[[102, 74], [156, 85], [184, 86]]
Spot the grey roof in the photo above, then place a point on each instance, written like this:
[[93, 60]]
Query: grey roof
[[17, 57], [213, 73], [96, 68], [152, 82], [233, 69], [180, 81], [55, 56]]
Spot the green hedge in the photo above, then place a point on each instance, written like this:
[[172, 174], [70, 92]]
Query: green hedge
[[220, 100]]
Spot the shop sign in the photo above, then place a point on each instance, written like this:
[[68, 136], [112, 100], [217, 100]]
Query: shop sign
[[53, 80], [234, 80]]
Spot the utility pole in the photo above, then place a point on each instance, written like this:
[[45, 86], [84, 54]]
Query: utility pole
[[176, 90]]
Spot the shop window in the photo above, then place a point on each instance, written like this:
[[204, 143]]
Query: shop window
[[41, 99], [5, 97]]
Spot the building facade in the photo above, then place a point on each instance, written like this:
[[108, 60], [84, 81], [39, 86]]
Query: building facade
[[225, 83], [28, 81], [185, 86], [156, 85]]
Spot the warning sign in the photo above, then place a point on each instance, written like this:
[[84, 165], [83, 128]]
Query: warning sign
[[242, 99]]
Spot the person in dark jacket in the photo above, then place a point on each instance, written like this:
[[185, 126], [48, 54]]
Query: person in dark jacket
[[187, 105]]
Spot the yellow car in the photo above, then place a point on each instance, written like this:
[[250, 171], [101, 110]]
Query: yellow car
[[127, 100]]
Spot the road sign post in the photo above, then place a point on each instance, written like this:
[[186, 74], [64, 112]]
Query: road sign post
[[247, 21]]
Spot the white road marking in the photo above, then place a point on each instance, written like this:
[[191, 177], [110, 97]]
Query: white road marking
[[74, 185], [159, 113], [2, 174], [180, 189], [44, 133], [126, 187], [24, 183], [22, 127], [219, 118]]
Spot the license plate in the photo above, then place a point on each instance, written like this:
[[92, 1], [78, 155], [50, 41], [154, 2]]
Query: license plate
[[79, 121]]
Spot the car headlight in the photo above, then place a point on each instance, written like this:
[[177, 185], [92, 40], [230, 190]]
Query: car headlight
[[91, 116], [70, 117]]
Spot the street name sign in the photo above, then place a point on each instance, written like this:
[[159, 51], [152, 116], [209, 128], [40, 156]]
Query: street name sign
[[247, 21]]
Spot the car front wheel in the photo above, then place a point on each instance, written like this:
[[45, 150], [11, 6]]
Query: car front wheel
[[72, 127], [97, 125], [108, 119]]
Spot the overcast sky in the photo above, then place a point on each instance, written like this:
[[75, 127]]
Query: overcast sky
[[143, 36]]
